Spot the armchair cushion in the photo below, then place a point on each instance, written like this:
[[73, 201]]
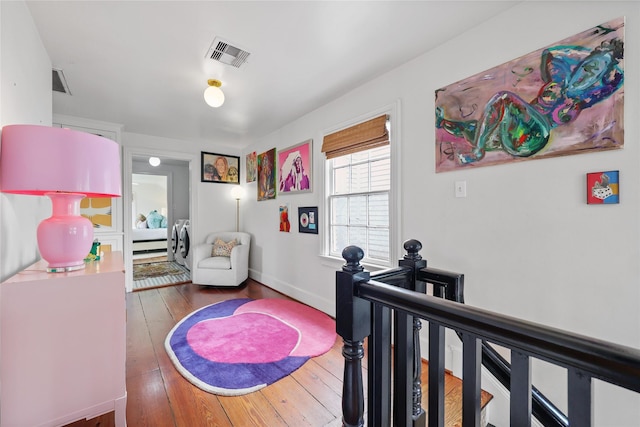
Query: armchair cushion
[[222, 248], [217, 262]]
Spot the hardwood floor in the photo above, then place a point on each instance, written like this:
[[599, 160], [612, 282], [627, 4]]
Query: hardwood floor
[[158, 396]]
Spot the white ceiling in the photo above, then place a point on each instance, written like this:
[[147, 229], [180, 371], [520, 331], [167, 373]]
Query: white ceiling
[[142, 63]]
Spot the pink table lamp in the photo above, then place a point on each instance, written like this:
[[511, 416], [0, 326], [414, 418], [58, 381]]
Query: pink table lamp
[[65, 165]]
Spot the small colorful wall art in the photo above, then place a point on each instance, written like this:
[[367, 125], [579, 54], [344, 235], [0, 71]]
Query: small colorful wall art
[[266, 175], [294, 168], [603, 188], [252, 166], [565, 99], [285, 224]]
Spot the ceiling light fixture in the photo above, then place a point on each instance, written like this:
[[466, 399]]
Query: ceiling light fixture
[[213, 95], [154, 161]]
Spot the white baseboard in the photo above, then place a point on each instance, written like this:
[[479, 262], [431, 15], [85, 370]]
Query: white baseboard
[[315, 300]]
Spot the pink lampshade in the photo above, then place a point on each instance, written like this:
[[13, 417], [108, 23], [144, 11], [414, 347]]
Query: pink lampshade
[[65, 165], [41, 159]]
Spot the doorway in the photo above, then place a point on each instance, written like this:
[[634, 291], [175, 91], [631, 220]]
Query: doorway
[[149, 208], [176, 170]]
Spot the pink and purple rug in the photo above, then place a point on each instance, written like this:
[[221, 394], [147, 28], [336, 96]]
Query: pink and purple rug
[[242, 345]]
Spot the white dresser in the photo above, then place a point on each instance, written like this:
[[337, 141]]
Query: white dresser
[[63, 344]]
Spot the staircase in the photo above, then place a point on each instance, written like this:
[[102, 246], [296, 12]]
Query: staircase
[[452, 398]]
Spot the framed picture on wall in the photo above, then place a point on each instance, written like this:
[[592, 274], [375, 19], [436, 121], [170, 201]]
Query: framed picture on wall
[[294, 168], [285, 224], [220, 168], [308, 220], [266, 175], [603, 188], [551, 102], [251, 166], [99, 210]]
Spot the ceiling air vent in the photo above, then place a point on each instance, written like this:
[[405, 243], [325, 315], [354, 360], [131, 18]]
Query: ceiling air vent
[[223, 51], [60, 82]]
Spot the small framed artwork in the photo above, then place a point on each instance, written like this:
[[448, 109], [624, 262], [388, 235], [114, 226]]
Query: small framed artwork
[[285, 224], [220, 168], [266, 175], [308, 220], [603, 188], [100, 211], [294, 168], [251, 166]]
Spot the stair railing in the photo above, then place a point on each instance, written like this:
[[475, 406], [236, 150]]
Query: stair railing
[[365, 307], [450, 286]]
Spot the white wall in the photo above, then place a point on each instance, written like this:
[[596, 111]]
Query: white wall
[[524, 237], [215, 208], [25, 98], [149, 193], [178, 185]]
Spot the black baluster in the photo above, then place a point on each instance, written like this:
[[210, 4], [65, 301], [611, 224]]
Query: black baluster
[[379, 367], [353, 324], [352, 387], [414, 260]]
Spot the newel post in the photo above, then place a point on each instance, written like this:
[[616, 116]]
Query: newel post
[[353, 324], [410, 329]]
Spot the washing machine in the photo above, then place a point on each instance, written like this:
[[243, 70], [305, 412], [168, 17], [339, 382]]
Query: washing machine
[[176, 241], [185, 244]]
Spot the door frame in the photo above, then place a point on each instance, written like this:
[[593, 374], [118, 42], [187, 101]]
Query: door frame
[[128, 154]]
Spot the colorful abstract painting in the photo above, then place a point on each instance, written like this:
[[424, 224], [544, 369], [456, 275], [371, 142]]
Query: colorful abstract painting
[[567, 98], [603, 188], [267, 175]]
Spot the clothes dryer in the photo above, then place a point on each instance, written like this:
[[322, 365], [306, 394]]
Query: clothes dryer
[[176, 241], [185, 239]]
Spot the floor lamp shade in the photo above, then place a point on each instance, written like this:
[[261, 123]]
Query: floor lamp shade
[[65, 165]]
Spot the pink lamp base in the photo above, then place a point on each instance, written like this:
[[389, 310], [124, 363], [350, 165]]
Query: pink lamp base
[[65, 238]]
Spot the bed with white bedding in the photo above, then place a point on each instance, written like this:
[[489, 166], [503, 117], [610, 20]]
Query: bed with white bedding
[[149, 240], [150, 234]]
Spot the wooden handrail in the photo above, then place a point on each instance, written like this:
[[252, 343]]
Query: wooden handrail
[[607, 361]]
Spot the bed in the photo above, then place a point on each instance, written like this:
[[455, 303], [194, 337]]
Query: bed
[[149, 240], [150, 233]]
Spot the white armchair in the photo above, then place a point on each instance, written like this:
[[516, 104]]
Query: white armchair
[[221, 270]]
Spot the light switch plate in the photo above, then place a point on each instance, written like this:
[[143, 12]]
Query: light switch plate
[[461, 189]]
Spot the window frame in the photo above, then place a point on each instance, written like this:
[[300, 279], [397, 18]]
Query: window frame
[[393, 112]]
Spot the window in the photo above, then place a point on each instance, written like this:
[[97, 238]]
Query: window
[[359, 185]]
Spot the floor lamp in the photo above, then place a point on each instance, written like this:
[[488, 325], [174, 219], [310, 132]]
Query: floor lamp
[[237, 193]]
